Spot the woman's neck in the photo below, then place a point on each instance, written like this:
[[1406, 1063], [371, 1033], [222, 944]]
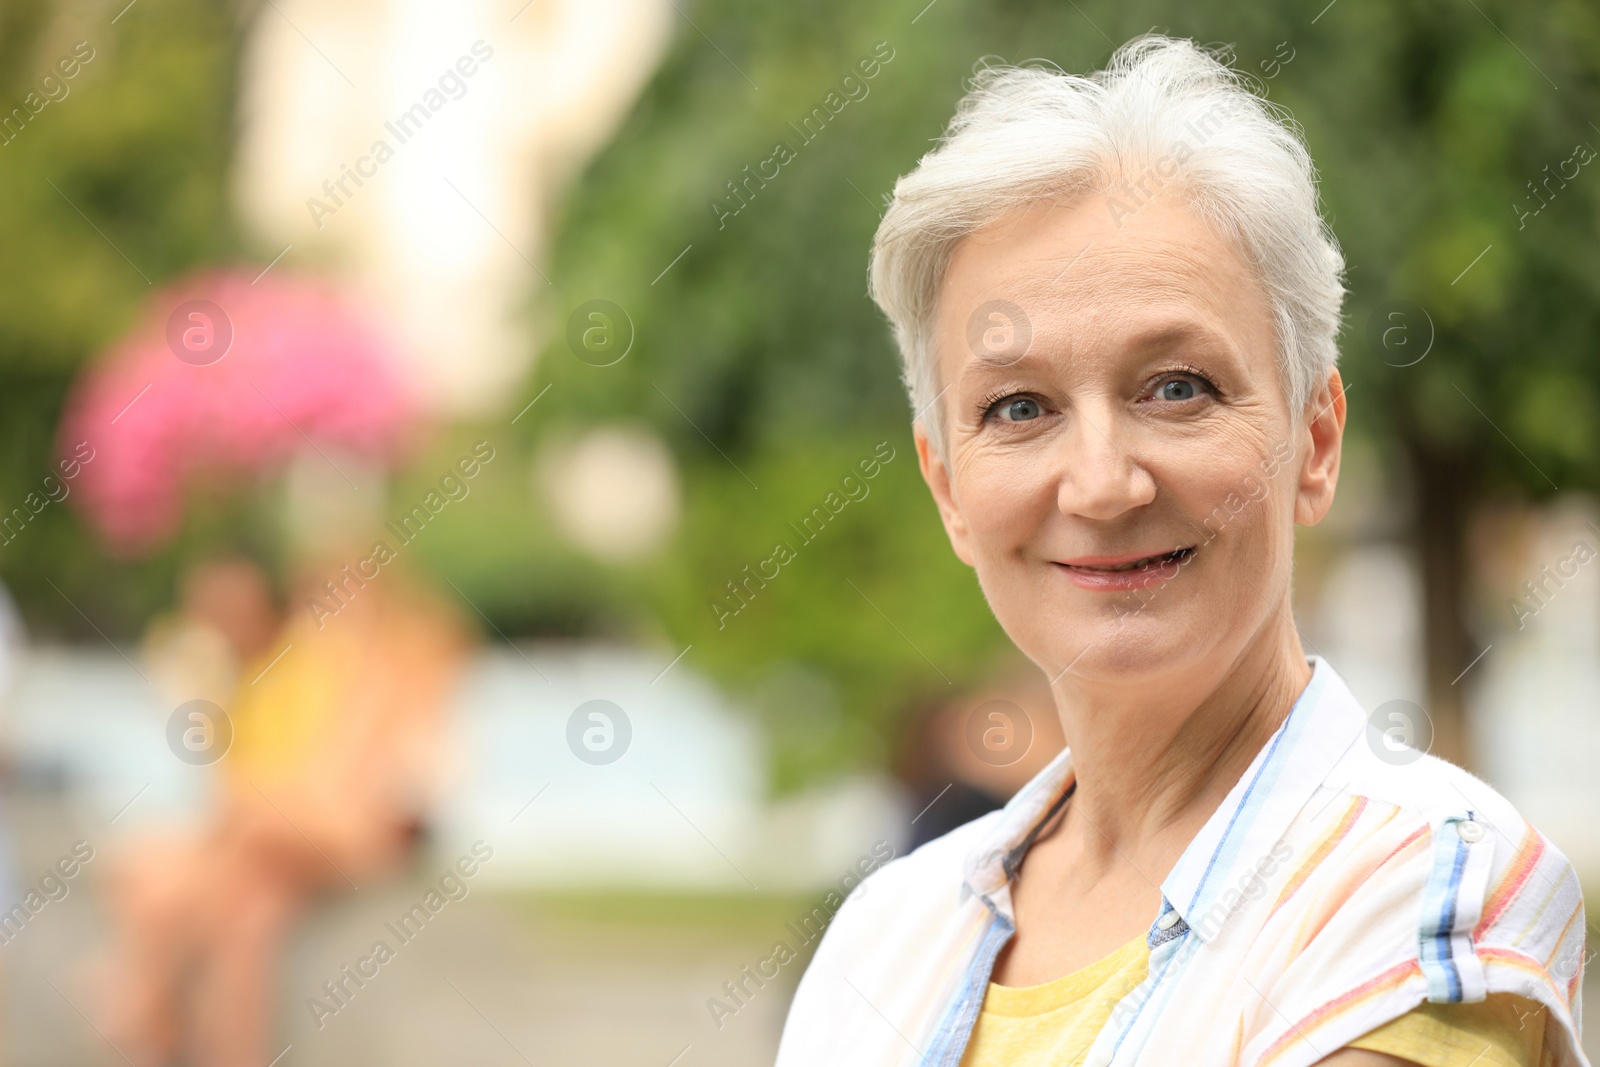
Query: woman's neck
[[1153, 762]]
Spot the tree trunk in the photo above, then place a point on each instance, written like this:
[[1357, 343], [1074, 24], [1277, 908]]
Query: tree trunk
[[1444, 483]]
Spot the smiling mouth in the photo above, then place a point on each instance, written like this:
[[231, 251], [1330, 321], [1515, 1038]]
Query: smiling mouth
[[1178, 556]]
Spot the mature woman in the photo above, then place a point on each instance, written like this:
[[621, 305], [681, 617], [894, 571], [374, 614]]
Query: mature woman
[[1117, 304]]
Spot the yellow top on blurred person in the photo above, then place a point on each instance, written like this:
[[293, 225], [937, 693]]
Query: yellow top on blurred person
[[348, 710]]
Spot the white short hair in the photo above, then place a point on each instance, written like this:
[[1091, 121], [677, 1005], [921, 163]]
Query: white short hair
[[1023, 135]]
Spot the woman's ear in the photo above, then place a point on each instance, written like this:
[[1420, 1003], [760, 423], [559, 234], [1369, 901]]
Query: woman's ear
[[1323, 433], [937, 474]]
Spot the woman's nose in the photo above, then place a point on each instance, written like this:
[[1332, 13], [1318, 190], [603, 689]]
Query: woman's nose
[[1098, 476]]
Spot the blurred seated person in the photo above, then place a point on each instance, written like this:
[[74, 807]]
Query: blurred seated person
[[336, 729], [226, 616], [966, 756]]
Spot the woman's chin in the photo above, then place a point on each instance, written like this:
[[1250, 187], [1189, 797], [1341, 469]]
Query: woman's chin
[[1124, 646]]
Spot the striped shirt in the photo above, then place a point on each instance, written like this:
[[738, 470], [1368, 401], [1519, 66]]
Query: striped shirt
[[1336, 888]]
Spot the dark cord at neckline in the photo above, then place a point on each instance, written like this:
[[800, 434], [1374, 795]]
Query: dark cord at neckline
[[1013, 859]]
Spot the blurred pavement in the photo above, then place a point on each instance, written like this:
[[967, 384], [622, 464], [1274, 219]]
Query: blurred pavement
[[488, 981]]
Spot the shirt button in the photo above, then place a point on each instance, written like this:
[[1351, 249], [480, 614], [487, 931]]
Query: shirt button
[[1100, 1058], [1170, 919], [1469, 831]]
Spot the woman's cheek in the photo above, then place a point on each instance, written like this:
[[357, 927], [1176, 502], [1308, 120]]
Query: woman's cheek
[[996, 483]]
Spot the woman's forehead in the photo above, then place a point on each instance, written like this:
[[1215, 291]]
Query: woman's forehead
[[1076, 251], [1054, 272]]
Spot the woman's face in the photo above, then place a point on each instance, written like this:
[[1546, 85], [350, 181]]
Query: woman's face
[[1121, 466]]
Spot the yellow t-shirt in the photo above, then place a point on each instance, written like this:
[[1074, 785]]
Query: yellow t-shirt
[[1053, 1025], [289, 709]]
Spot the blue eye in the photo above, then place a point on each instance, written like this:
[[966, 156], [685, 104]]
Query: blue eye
[[1021, 410], [1177, 389]]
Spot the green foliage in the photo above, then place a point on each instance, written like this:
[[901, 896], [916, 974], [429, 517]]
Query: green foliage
[[104, 194], [1425, 121], [758, 355], [1428, 146]]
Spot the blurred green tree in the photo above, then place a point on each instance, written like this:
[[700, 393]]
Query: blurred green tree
[[757, 347], [758, 355], [117, 183], [1439, 130]]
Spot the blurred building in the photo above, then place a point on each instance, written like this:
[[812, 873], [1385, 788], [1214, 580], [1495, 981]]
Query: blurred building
[[417, 150]]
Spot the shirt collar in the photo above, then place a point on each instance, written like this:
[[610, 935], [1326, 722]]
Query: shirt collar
[[991, 862], [1325, 721], [1321, 726]]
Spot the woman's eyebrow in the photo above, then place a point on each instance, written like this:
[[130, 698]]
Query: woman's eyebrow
[[1162, 332], [988, 363], [1169, 332]]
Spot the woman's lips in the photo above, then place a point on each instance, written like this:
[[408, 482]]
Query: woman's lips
[[1121, 573]]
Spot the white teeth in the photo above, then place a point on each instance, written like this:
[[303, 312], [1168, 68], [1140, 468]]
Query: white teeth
[[1145, 562]]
